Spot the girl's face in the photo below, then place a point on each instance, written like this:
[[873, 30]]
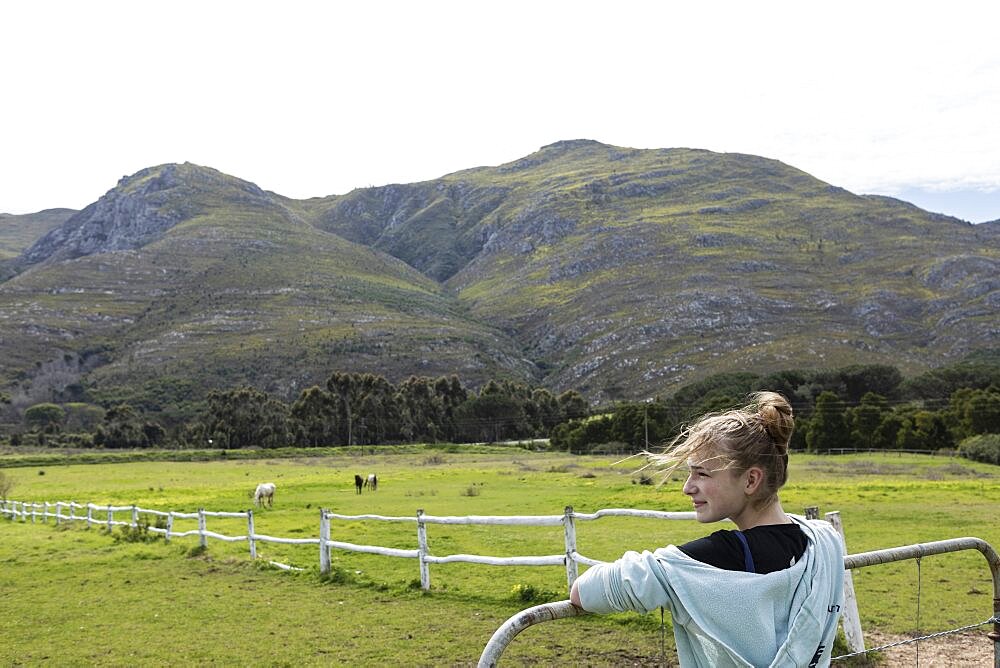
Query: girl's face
[[716, 494]]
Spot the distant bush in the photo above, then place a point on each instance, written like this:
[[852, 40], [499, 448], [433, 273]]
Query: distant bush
[[983, 448], [609, 448], [644, 479]]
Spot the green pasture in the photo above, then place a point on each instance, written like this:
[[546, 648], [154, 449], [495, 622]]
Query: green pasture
[[73, 595]]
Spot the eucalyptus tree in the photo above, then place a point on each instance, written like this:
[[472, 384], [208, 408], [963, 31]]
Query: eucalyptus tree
[[45, 417], [245, 417], [865, 418], [827, 428], [122, 427], [315, 414]]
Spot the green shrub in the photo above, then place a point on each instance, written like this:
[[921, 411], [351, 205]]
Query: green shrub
[[337, 575], [526, 593], [644, 479], [140, 533], [982, 448]]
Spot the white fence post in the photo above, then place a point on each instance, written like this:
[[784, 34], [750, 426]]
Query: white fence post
[[851, 618], [90, 515], [135, 515], [58, 512], [170, 526], [324, 537], [111, 516], [72, 514], [34, 511], [202, 538], [569, 528], [45, 512], [422, 551], [250, 538]]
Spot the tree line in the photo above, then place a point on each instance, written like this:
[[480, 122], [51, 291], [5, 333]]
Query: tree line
[[351, 409], [854, 407]]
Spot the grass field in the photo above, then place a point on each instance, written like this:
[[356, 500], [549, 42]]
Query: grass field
[[73, 596]]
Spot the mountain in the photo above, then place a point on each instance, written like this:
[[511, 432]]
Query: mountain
[[619, 272], [182, 279]]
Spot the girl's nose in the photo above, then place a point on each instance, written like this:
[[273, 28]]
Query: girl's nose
[[688, 487]]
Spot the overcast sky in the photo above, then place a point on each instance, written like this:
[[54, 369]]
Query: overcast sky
[[311, 99]]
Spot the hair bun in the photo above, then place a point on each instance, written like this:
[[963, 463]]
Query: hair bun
[[776, 416]]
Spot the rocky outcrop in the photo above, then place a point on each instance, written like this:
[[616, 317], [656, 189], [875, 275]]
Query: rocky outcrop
[[140, 209]]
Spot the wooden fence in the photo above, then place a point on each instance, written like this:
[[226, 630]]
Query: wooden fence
[[570, 558], [99, 515]]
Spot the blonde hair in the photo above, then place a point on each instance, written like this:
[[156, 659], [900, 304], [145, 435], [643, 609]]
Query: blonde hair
[[755, 435]]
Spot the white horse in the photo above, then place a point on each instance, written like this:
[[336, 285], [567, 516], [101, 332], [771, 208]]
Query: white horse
[[264, 492], [371, 481]]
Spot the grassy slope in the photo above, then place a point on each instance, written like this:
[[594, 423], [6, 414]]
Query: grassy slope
[[17, 232], [884, 500]]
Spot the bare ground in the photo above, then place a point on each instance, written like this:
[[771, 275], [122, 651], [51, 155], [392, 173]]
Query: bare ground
[[970, 649]]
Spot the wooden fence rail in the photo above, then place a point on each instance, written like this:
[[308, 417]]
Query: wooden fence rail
[[569, 557]]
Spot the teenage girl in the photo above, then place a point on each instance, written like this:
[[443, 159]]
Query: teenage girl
[[767, 593]]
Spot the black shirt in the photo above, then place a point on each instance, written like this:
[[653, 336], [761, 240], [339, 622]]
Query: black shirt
[[773, 547]]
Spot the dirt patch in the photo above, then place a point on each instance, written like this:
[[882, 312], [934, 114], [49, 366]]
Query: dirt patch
[[958, 650]]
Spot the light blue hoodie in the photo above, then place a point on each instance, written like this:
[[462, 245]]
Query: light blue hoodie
[[732, 618]]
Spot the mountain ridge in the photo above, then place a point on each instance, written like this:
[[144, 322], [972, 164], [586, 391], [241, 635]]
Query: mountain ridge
[[619, 272]]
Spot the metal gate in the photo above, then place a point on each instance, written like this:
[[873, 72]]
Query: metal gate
[[563, 609]]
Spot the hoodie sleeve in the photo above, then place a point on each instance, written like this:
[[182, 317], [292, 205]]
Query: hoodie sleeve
[[635, 582]]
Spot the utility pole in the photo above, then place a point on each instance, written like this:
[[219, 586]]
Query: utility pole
[[645, 420]]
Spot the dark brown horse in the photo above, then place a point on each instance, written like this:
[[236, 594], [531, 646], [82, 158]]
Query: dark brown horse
[[358, 482]]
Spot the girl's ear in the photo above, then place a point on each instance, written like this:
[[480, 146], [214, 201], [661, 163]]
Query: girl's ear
[[755, 476]]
